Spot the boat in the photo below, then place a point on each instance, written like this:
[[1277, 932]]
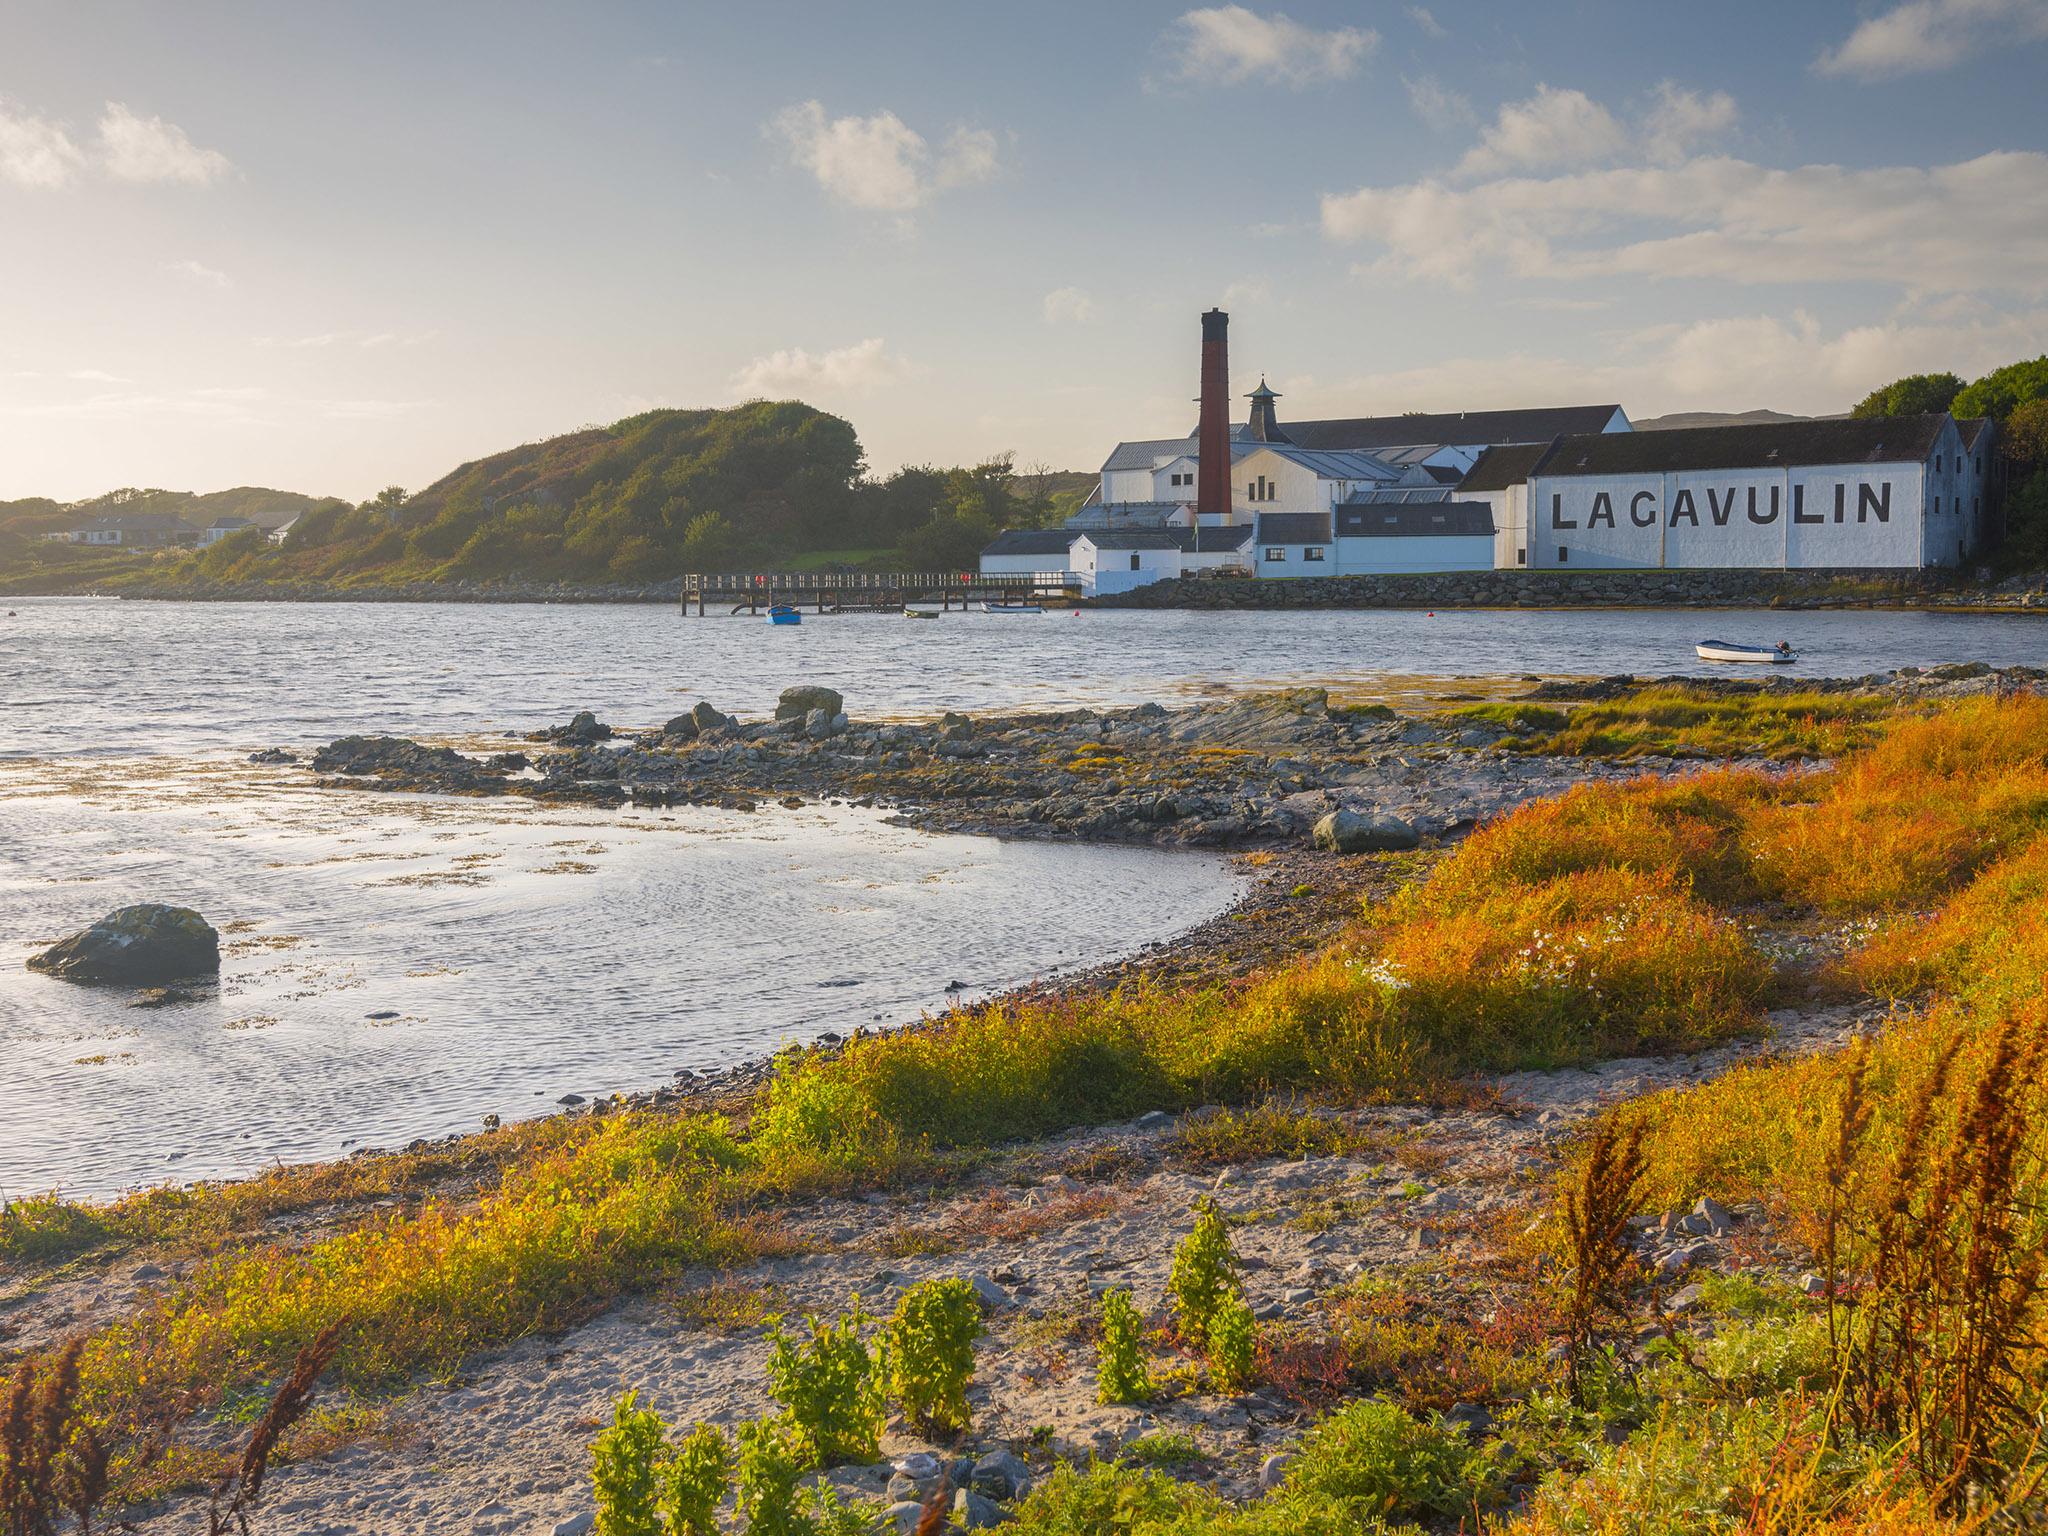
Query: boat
[[920, 613], [783, 613], [1011, 608], [1728, 650]]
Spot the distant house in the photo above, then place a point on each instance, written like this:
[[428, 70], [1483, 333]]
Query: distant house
[[1118, 559], [1389, 533], [1028, 552], [283, 530], [1293, 544], [136, 530], [221, 528], [1224, 547]]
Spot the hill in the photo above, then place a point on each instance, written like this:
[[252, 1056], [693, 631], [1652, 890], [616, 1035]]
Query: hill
[[263, 506], [1717, 419]]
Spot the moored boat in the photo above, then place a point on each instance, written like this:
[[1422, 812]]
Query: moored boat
[[1729, 650], [920, 613], [1011, 608], [782, 613]]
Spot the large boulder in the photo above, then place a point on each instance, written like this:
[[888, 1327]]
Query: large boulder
[[144, 945], [798, 702], [1351, 832], [709, 718]]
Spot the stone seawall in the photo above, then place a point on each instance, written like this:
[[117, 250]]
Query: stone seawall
[[1587, 589]]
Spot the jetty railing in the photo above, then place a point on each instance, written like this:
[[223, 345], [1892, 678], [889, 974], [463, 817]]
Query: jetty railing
[[827, 591]]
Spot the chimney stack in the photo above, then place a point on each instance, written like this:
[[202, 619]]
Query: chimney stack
[[1212, 438]]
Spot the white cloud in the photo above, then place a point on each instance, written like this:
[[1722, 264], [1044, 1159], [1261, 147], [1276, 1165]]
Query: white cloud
[[199, 272], [35, 152], [859, 369], [1069, 305], [1431, 27], [1553, 127], [1247, 292], [96, 376], [1977, 224], [1780, 362], [1923, 35], [1229, 45], [1440, 108], [1558, 128], [137, 148], [880, 162]]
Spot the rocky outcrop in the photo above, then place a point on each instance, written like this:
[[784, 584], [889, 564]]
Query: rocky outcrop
[[1354, 832], [798, 702], [143, 945]]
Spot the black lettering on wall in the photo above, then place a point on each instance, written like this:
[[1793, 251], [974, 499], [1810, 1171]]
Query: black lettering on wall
[[1682, 507], [1841, 497], [1720, 511], [1602, 514], [1878, 499], [1768, 517], [1799, 507], [1637, 515], [1557, 517]]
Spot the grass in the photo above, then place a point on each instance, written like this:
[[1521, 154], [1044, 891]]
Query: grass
[[1610, 920], [1679, 721]]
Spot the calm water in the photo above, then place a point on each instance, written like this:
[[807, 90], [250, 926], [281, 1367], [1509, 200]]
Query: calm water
[[96, 675], [522, 952]]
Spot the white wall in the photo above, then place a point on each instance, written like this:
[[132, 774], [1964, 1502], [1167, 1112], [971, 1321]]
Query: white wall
[[1801, 518], [1295, 560], [1110, 570], [1020, 565], [1414, 552]]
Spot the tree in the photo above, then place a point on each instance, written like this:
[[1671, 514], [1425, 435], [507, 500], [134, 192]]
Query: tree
[[387, 502], [1917, 394], [1999, 393], [708, 542], [2025, 437], [2025, 546]]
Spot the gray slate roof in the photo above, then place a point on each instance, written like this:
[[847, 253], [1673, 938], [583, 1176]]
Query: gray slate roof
[[1499, 469], [1972, 429], [1032, 541], [1762, 445], [1129, 538], [1212, 541], [1538, 425], [1454, 519], [1293, 528]]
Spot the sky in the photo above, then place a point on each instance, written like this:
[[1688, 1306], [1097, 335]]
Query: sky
[[332, 247]]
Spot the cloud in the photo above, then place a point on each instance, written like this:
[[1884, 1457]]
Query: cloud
[[1556, 128], [199, 272], [1069, 305], [859, 369], [35, 152], [1247, 292], [1431, 27], [1784, 362], [96, 376], [1441, 109], [1230, 45], [880, 163], [137, 148], [1977, 224], [1923, 35]]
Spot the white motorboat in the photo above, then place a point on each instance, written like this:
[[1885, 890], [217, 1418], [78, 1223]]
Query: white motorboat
[[1728, 650], [1011, 608]]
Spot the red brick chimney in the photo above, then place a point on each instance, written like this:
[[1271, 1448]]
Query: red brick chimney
[[1212, 437]]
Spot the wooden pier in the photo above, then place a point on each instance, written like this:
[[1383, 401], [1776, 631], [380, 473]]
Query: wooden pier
[[754, 592]]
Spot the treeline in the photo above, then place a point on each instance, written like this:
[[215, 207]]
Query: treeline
[[2016, 398], [647, 498]]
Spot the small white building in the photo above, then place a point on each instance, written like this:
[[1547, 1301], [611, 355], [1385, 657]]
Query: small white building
[[1219, 547], [1292, 544], [135, 530], [1396, 532], [223, 527], [1118, 559]]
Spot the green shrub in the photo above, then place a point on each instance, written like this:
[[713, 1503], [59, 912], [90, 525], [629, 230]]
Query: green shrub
[[622, 1471], [1372, 1455], [1204, 1272], [1233, 1344], [45, 1227], [831, 1389], [693, 1482], [771, 1461], [1120, 1373], [931, 1352]]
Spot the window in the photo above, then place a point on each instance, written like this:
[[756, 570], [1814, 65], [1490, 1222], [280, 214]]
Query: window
[[1313, 552], [1522, 556], [1563, 554], [1276, 556]]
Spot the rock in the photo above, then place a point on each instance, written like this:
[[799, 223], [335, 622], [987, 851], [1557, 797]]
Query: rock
[[709, 719], [1351, 832], [1273, 1470], [584, 726], [798, 702], [902, 1516], [1812, 1284], [273, 755], [1686, 1298], [1153, 1120], [993, 1296], [1422, 1240], [681, 727], [1711, 1217], [1476, 1419], [977, 1512], [575, 1525], [818, 724], [1001, 1475], [144, 945]]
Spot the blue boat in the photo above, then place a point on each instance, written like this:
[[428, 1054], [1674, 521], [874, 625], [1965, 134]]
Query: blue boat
[[782, 613]]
